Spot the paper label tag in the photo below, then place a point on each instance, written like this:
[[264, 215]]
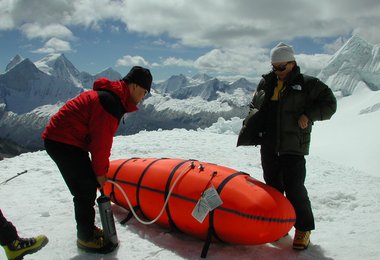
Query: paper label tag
[[209, 201], [212, 198], [200, 211]]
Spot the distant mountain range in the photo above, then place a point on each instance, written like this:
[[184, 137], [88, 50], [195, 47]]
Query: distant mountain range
[[31, 92]]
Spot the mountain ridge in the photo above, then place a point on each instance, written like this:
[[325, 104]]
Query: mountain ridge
[[30, 93]]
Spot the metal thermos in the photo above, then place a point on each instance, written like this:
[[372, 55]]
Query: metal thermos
[[106, 216]]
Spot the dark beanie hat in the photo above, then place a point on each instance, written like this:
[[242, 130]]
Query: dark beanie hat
[[141, 76]]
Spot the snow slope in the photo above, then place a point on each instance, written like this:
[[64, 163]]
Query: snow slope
[[343, 181]]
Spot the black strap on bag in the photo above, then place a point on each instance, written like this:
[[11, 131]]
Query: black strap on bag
[[211, 229], [172, 224]]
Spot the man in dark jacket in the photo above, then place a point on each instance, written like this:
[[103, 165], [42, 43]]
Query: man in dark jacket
[[282, 112], [86, 125]]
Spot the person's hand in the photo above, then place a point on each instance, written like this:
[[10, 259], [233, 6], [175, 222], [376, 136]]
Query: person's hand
[[303, 121], [101, 180]]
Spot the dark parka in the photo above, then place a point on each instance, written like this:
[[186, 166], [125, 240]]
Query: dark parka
[[301, 94]]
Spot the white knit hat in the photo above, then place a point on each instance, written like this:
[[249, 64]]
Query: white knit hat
[[282, 52]]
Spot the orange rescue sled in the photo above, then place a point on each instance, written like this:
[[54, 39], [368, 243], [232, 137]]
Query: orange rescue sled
[[251, 213]]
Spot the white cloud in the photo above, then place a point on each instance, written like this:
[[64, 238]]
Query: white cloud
[[336, 45], [246, 61], [226, 23], [172, 61], [115, 29], [234, 33], [45, 32], [241, 61], [128, 60], [220, 24], [250, 62], [312, 64], [92, 13], [161, 43], [54, 45], [42, 12], [6, 21]]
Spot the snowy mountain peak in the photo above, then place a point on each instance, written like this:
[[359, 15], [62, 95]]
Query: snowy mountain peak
[[243, 83], [25, 87], [25, 70], [172, 84], [355, 49], [87, 79], [47, 63], [109, 73], [14, 61], [201, 77], [355, 64], [109, 69], [59, 66], [178, 78]]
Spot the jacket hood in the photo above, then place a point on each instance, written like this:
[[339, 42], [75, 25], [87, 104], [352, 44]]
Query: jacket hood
[[119, 88]]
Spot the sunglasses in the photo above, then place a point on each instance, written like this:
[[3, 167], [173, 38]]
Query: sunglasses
[[280, 67], [145, 91]]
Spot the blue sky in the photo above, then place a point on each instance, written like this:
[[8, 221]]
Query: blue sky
[[223, 38]]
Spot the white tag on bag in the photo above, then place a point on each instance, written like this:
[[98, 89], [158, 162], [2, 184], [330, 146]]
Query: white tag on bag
[[209, 201], [212, 198], [200, 210]]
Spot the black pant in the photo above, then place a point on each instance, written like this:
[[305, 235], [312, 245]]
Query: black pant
[[287, 174], [8, 232], [76, 169]]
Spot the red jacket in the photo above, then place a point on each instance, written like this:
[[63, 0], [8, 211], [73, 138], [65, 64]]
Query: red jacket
[[84, 122]]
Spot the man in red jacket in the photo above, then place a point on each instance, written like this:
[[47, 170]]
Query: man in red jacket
[[86, 125]]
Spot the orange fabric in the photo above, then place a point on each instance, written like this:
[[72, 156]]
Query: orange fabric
[[251, 213]]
